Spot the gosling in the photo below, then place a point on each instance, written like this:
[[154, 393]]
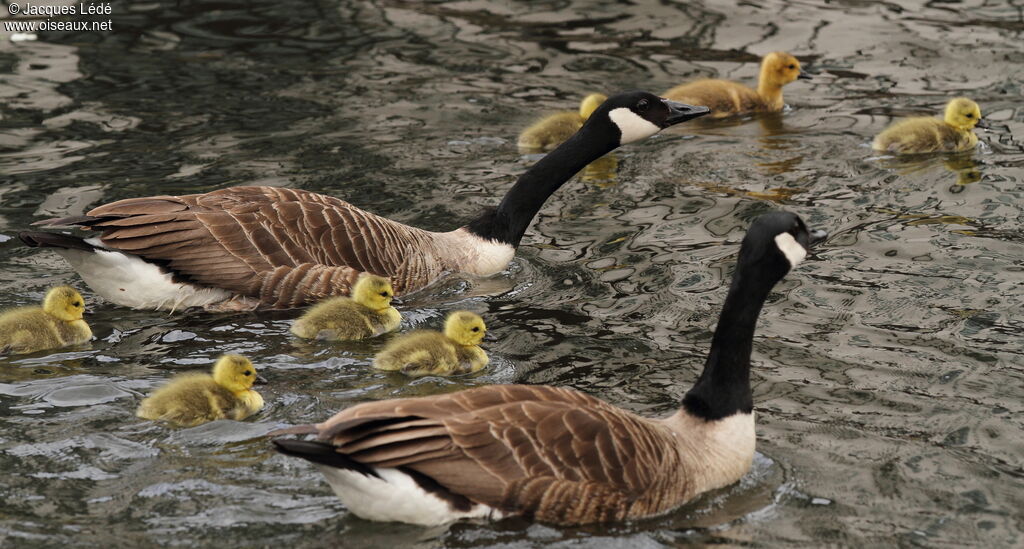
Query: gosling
[[366, 314], [924, 134], [193, 399], [58, 323], [427, 352], [726, 98], [551, 131]]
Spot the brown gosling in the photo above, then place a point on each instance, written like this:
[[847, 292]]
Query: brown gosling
[[367, 313], [726, 98], [552, 130], [192, 399], [425, 352], [58, 323], [924, 134]]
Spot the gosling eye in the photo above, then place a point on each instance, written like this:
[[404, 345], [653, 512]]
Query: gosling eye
[[642, 105], [77, 304], [476, 328], [792, 66], [247, 373], [383, 294], [970, 115]]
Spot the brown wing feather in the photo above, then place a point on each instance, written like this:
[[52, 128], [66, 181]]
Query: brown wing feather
[[541, 451], [285, 246]]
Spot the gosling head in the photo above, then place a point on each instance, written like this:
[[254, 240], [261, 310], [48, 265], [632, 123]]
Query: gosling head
[[373, 291], [465, 328], [590, 104], [65, 303], [962, 113], [780, 68], [235, 373], [776, 243], [635, 115]]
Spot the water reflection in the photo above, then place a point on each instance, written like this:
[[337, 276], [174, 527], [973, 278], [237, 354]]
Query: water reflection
[[602, 172]]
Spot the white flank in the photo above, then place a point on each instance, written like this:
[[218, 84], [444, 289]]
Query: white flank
[[483, 257], [130, 281], [732, 441], [792, 249], [715, 453], [632, 126], [395, 497]]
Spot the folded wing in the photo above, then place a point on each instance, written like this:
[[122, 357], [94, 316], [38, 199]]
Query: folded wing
[[285, 246], [554, 454]]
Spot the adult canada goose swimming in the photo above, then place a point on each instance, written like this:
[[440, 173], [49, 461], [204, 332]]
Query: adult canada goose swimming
[[726, 98], [243, 247], [58, 323], [924, 134], [553, 454]]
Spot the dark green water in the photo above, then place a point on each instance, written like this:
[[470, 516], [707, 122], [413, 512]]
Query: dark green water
[[889, 368]]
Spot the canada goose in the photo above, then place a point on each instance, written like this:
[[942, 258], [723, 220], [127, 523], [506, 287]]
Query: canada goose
[[243, 247], [554, 454], [426, 352], [58, 323], [726, 98], [191, 399], [924, 134], [367, 313], [552, 130]]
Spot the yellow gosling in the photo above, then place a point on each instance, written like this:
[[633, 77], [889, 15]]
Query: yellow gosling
[[424, 352], [367, 313], [58, 323], [551, 131], [192, 399], [727, 98], [924, 134]]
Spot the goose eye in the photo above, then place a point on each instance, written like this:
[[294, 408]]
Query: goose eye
[[970, 115], [383, 294], [792, 66], [642, 105], [246, 373], [476, 328], [77, 304]]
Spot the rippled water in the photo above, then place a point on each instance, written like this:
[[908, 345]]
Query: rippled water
[[888, 372]]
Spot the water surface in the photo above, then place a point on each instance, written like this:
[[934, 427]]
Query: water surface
[[889, 368]]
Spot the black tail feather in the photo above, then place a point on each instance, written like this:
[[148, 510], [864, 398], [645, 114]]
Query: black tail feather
[[322, 453], [37, 239]]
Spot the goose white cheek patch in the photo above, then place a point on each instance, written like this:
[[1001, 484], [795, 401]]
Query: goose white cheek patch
[[633, 126], [792, 249]]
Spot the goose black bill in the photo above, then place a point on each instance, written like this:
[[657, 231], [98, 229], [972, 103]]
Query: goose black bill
[[681, 112]]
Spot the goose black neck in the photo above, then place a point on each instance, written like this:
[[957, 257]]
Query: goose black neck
[[723, 388], [508, 222]]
